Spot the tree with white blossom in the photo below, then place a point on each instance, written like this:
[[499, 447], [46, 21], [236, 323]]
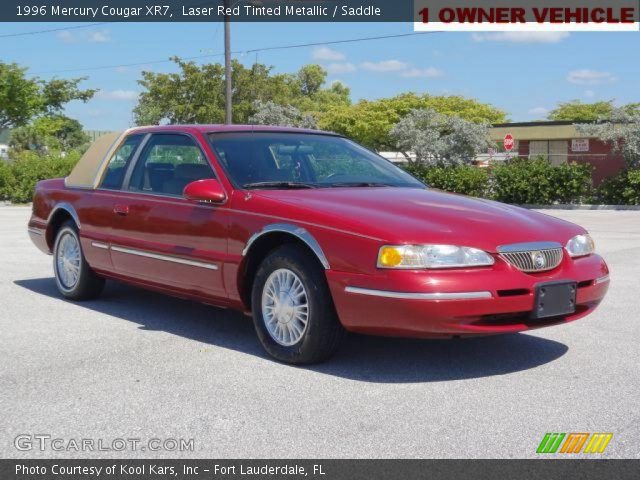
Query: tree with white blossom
[[270, 113], [622, 130], [440, 139]]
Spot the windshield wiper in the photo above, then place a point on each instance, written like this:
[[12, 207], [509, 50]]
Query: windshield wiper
[[291, 185], [360, 184]]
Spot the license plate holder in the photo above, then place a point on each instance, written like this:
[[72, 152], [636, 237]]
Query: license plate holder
[[553, 299]]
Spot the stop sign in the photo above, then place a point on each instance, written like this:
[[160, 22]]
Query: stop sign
[[508, 142]]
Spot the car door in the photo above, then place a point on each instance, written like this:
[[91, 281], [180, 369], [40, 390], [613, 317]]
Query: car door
[[159, 237], [96, 207]]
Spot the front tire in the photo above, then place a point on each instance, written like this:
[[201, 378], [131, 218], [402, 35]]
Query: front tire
[[74, 277], [293, 311]]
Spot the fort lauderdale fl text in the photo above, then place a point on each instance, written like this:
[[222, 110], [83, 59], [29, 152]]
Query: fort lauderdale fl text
[[152, 469]]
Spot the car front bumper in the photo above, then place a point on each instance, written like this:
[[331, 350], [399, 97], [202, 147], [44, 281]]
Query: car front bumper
[[445, 303]]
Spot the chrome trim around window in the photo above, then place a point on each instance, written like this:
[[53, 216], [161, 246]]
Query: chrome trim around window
[[166, 258], [419, 296], [294, 230], [528, 247]]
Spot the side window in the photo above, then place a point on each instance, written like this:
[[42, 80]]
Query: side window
[[113, 176], [169, 163]]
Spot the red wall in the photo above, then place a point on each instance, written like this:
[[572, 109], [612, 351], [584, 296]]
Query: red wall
[[603, 166]]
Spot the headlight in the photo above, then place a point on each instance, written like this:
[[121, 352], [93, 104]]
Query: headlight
[[580, 245], [432, 256]]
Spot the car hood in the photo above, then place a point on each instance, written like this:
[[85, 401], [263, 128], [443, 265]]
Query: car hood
[[411, 215]]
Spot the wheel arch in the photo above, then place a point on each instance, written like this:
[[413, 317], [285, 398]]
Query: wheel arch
[[261, 243], [59, 215]]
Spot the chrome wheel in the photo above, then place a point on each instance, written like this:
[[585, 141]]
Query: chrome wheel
[[285, 307], [68, 258]]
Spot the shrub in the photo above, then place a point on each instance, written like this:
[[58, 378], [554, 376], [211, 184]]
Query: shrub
[[28, 168], [6, 179], [536, 181], [623, 189], [463, 179]]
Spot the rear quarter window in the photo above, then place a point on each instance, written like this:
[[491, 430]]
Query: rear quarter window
[[118, 163]]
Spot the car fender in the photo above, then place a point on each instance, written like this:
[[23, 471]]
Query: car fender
[[295, 230]]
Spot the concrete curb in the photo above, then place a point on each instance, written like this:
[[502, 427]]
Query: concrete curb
[[581, 207]]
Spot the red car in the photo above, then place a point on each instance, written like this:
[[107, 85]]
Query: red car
[[312, 234]]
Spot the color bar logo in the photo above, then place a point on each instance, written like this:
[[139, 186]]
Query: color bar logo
[[573, 442]]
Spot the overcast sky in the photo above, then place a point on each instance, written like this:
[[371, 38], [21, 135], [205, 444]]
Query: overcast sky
[[525, 74]]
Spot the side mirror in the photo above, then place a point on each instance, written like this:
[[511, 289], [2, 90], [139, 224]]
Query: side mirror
[[208, 190]]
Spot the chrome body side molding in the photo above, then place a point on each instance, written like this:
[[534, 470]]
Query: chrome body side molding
[[418, 295], [155, 256]]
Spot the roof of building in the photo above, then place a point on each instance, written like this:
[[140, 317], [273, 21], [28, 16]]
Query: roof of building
[[548, 130]]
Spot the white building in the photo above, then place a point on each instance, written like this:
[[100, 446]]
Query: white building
[[398, 157], [4, 151]]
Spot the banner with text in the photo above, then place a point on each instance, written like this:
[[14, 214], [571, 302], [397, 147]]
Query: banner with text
[[426, 15]]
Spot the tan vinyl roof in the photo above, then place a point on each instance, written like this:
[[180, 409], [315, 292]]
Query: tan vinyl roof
[[88, 170]]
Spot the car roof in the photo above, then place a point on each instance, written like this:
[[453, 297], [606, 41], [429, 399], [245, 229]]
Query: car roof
[[220, 128], [89, 169]]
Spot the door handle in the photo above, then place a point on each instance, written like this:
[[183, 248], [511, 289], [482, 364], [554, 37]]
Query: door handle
[[121, 209]]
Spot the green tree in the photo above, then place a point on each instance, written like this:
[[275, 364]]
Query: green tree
[[195, 94], [370, 122], [576, 111], [22, 98], [311, 78], [48, 133]]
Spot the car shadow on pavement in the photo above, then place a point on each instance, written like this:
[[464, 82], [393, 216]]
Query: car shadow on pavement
[[362, 358]]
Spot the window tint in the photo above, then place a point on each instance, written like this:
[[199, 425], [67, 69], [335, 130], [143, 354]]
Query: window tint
[[169, 163], [312, 159], [114, 174]]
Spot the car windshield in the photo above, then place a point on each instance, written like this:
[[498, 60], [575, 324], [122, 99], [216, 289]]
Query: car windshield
[[302, 160]]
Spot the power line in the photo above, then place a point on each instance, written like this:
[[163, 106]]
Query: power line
[[336, 42], [137, 64], [59, 29], [239, 52]]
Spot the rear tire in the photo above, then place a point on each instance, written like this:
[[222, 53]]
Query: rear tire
[[293, 311], [74, 277]]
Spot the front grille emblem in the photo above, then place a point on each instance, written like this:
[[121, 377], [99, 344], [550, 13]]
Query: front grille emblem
[[539, 261]]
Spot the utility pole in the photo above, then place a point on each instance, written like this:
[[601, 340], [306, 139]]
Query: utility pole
[[228, 107]]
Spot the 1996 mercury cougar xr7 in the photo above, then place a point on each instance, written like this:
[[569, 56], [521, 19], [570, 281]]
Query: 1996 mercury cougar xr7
[[310, 233]]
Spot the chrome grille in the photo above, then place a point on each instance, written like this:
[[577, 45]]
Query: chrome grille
[[532, 257]]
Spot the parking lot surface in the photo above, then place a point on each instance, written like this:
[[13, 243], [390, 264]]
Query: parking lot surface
[[140, 365]]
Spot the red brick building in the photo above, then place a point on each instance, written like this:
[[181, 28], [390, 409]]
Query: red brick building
[[561, 142]]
